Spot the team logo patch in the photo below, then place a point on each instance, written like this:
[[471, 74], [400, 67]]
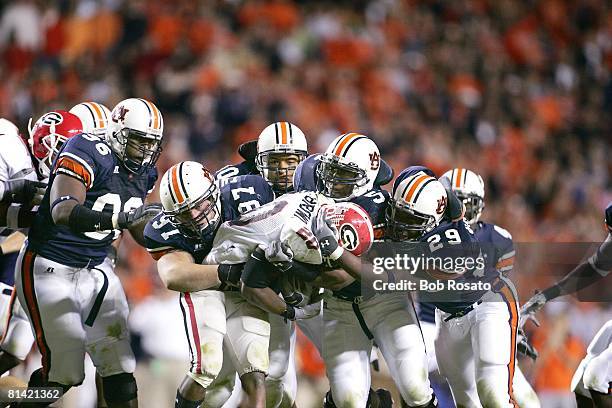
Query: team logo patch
[[441, 205], [119, 114], [374, 161], [349, 237], [52, 118]]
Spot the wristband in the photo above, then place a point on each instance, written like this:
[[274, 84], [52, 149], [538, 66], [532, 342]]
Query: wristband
[[61, 200], [337, 253], [289, 313]]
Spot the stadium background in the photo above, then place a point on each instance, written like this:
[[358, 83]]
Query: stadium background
[[519, 91]]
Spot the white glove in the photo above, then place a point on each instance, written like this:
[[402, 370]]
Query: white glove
[[327, 235], [308, 311], [530, 308]]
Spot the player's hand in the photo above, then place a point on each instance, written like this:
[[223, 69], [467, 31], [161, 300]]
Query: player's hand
[[529, 309], [22, 191], [309, 311], [524, 347], [327, 235], [608, 217], [295, 299], [127, 219], [229, 275]]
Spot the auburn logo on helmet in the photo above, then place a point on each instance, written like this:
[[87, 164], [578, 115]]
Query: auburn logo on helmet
[[119, 114], [441, 205], [374, 161]]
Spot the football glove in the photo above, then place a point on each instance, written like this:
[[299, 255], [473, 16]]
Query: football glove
[[125, 219]]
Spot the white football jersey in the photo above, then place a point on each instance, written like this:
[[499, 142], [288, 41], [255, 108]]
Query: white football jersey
[[287, 219], [15, 159]]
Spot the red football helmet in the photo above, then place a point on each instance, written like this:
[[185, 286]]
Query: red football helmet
[[354, 226], [48, 135]]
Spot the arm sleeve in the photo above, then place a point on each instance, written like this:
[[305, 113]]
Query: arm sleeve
[[601, 261], [258, 272]]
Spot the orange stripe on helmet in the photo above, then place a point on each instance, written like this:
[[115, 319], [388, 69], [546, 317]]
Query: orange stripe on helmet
[[284, 132], [415, 185], [174, 176], [155, 112], [458, 177], [347, 138], [99, 113]]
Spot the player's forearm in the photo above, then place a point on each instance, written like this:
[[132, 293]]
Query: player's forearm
[[265, 298], [187, 277], [354, 265], [334, 279], [585, 274]]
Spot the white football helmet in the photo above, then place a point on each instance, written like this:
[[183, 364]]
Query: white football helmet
[[274, 146], [94, 116], [135, 133], [469, 188], [417, 206], [191, 199], [348, 167]]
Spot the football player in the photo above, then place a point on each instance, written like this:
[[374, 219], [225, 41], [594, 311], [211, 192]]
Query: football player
[[490, 318], [214, 311], [74, 301], [347, 171], [589, 379], [16, 161], [19, 183], [280, 147], [469, 188], [592, 381]]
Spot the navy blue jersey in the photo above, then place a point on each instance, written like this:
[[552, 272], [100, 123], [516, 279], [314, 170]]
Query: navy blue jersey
[[225, 174], [456, 240], [238, 196], [109, 188], [500, 248]]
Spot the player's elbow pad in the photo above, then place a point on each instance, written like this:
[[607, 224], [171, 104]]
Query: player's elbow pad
[[304, 271], [83, 219]]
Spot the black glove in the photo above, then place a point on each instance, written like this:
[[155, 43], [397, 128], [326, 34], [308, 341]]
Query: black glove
[[229, 275], [524, 347], [126, 219], [609, 217], [22, 191]]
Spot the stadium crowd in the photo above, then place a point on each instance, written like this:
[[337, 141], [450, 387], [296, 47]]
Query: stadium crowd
[[519, 91]]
